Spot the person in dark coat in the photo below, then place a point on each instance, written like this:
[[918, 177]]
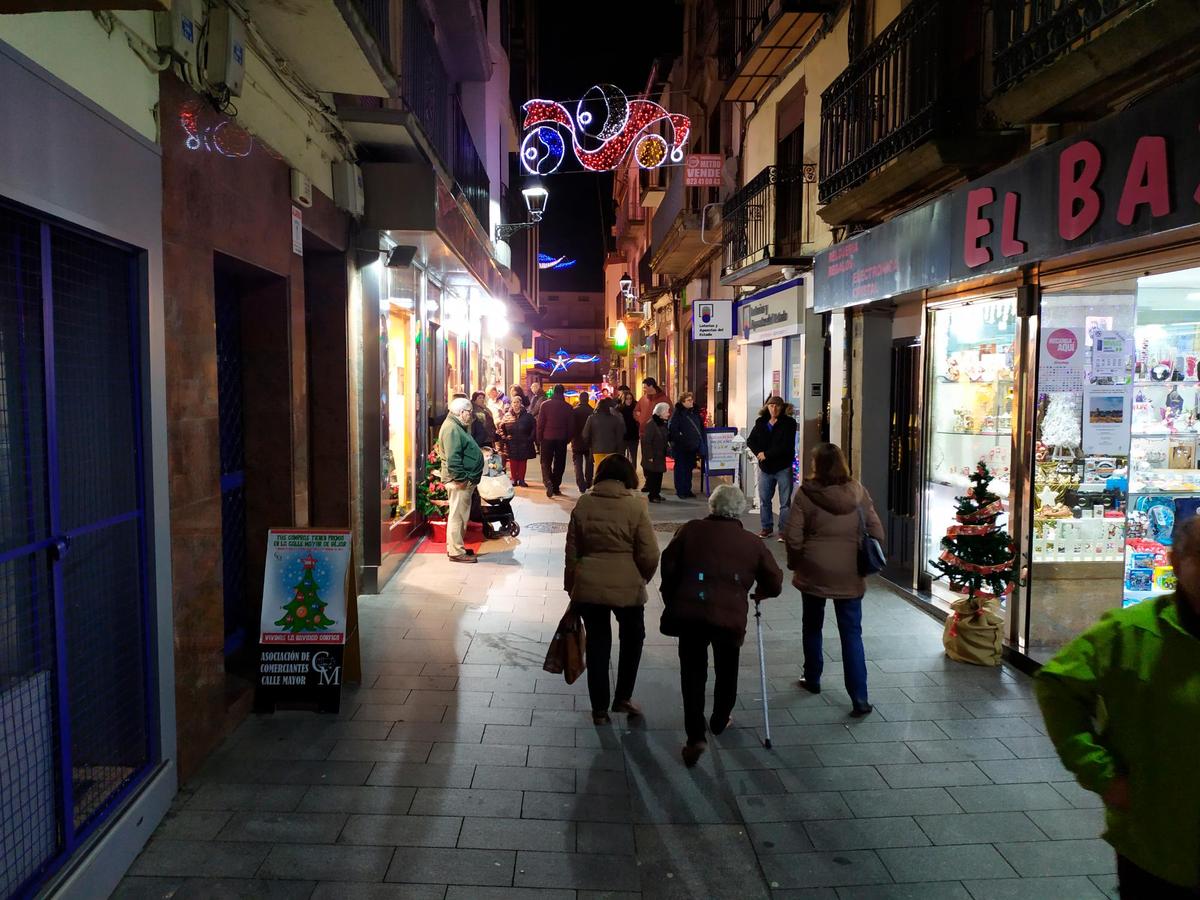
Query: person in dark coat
[[627, 406], [537, 396], [773, 441], [518, 428], [685, 432], [604, 431], [654, 451], [483, 425], [553, 432], [581, 455], [707, 571]]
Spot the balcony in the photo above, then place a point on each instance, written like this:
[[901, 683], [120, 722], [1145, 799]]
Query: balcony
[[427, 116], [335, 45], [901, 122], [758, 39], [1063, 60], [763, 226], [675, 245]]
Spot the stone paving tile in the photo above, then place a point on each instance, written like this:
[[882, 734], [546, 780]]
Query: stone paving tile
[[1008, 797], [901, 802], [945, 863], [1066, 824], [279, 797], [456, 892], [932, 774], [402, 831], [881, 753], [601, 781], [518, 834], [334, 862], [140, 888], [779, 837], [929, 890], [436, 732], [759, 758], [1078, 796], [794, 807], [529, 735], [810, 870], [985, 728], [958, 750], [575, 758], [192, 824], [576, 870], [910, 712], [1069, 888], [871, 732], [381, 751], [478, 754], [524, 778], [980, 828], [465, 802], [1030, 747], [1018, 771], [200, 859], [421, 775], [1068, 857], [341, 890], [837, 778], [866, 834], [576, 807], [301, 827], [604, 837], [686, 861], [434, 865]]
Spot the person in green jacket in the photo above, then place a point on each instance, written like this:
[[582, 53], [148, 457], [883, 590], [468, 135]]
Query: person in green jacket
[[1122, 706], [462, 467]]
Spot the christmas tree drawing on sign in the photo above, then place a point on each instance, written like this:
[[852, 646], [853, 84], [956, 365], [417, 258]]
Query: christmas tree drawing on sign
[[305, 612]]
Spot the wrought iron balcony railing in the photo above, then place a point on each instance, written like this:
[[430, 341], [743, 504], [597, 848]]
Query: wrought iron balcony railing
[[1030, 34], [765, 219], [890, 98]]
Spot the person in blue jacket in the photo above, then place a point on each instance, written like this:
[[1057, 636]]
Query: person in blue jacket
[[685, 434]]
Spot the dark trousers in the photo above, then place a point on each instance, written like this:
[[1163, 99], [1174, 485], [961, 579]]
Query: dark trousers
[[631, 621], [854, 658], [631, 451], [554, 463], [693, 676], [581, 460], [653, 485], [1135, 883], [684, 463]]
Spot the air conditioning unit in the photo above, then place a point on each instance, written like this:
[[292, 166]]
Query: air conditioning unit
[[301, 189], [348, 191], [611, 334], [178, 31], [225, 50]]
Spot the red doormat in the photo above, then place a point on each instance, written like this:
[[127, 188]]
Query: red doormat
[[436, 542]]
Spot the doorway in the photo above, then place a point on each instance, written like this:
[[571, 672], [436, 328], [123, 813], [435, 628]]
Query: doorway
[[904, 462]]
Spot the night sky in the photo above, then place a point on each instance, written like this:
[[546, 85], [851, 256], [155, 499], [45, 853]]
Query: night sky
[[622, 40]]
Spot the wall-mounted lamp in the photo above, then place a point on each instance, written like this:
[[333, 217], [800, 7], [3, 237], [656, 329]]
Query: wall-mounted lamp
[[401, 257], [536, 198]]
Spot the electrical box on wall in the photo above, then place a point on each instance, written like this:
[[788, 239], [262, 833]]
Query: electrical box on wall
[[348, 188], [178, 31], [301, 189], [225, 50]]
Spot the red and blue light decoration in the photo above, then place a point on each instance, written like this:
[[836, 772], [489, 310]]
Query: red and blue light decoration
[[546, 261], [627, 125], [562, 360]]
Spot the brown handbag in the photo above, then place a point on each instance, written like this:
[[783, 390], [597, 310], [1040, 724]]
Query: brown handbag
[[566, 654]]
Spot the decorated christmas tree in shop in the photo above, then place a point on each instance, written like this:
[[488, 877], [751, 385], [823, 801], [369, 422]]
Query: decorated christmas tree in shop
[[432, 497], [306, 610], [977, 554]]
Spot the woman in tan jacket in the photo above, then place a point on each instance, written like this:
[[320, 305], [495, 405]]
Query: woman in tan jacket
[[611, 555], [824, 530]]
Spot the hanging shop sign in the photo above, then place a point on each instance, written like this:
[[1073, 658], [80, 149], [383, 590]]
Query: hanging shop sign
[[702, 170], [1124, 177], [303, 628], [607, 126], [712, 320], [772, 313]]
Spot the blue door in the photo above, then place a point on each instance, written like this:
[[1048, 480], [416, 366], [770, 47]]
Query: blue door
[[76, 667]]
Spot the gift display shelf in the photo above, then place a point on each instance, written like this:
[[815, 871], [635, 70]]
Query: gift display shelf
[[980, 433]]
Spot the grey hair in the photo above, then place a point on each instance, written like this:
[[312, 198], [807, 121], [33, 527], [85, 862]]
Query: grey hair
[[727, 501], [459, 405]]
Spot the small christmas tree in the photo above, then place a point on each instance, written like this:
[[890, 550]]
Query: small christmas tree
[[306, 610], [1061, 425], [977, 555], [432, 496]]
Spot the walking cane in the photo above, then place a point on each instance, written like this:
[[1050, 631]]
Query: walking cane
[[762, 676]]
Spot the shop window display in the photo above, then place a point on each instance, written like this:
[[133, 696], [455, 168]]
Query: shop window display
[[398, 394], [970, 415]]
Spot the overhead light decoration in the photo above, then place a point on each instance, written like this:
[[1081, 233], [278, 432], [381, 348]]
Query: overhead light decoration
[[626, 125], [562, 360], [620, 336], [546, 261]]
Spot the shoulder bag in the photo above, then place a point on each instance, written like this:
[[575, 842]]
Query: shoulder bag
[[871, 558], [566, 654]]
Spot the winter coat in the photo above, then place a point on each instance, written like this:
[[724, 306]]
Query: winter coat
[[605, 432], [707, 571], [645, 409], [579, 419], [778, 442], [654, 446], [535, 405], [611, 549], [685, 431], [1141, 667], [462, 460], [823, 538], [633, 430], [519, 431], [483, 426], [554, 421]]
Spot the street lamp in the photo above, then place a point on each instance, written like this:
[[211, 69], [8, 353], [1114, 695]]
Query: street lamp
[[626, 285], [536, 197]]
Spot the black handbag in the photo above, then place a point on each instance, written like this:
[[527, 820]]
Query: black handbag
[[871, 558]]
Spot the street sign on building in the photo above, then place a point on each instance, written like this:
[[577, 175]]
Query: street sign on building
[[702, 170], [712, 320]]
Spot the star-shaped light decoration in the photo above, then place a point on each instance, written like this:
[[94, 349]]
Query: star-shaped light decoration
[[562, 360]]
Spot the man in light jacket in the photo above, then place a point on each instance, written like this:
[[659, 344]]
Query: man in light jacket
[[462, 468], [1122, 706]]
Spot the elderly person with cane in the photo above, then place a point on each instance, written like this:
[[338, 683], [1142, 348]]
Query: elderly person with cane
[[707, 572]]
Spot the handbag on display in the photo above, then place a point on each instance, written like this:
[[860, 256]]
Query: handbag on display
[[871, 558], [566, 654]]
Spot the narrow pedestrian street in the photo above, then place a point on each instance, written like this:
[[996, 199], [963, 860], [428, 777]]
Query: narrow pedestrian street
[[460, 770]]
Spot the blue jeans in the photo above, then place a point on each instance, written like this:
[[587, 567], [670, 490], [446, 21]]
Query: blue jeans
[[766, 490], [685, 462], [854, 658]]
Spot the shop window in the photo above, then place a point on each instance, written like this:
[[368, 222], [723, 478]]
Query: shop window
[[398, 369], [1115, 460]]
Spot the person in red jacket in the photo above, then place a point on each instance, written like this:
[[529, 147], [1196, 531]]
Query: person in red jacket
[[553, 432]]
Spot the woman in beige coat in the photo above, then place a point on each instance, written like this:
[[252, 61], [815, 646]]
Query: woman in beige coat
[[823, 534], [611, 555]]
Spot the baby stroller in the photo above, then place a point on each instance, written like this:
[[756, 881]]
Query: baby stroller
[[496, 492]]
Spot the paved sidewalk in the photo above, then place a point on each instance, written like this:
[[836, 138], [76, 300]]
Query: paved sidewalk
[[460, 770]]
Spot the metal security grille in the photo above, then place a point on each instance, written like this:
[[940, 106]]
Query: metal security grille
[[233, 459], [76, 729]]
